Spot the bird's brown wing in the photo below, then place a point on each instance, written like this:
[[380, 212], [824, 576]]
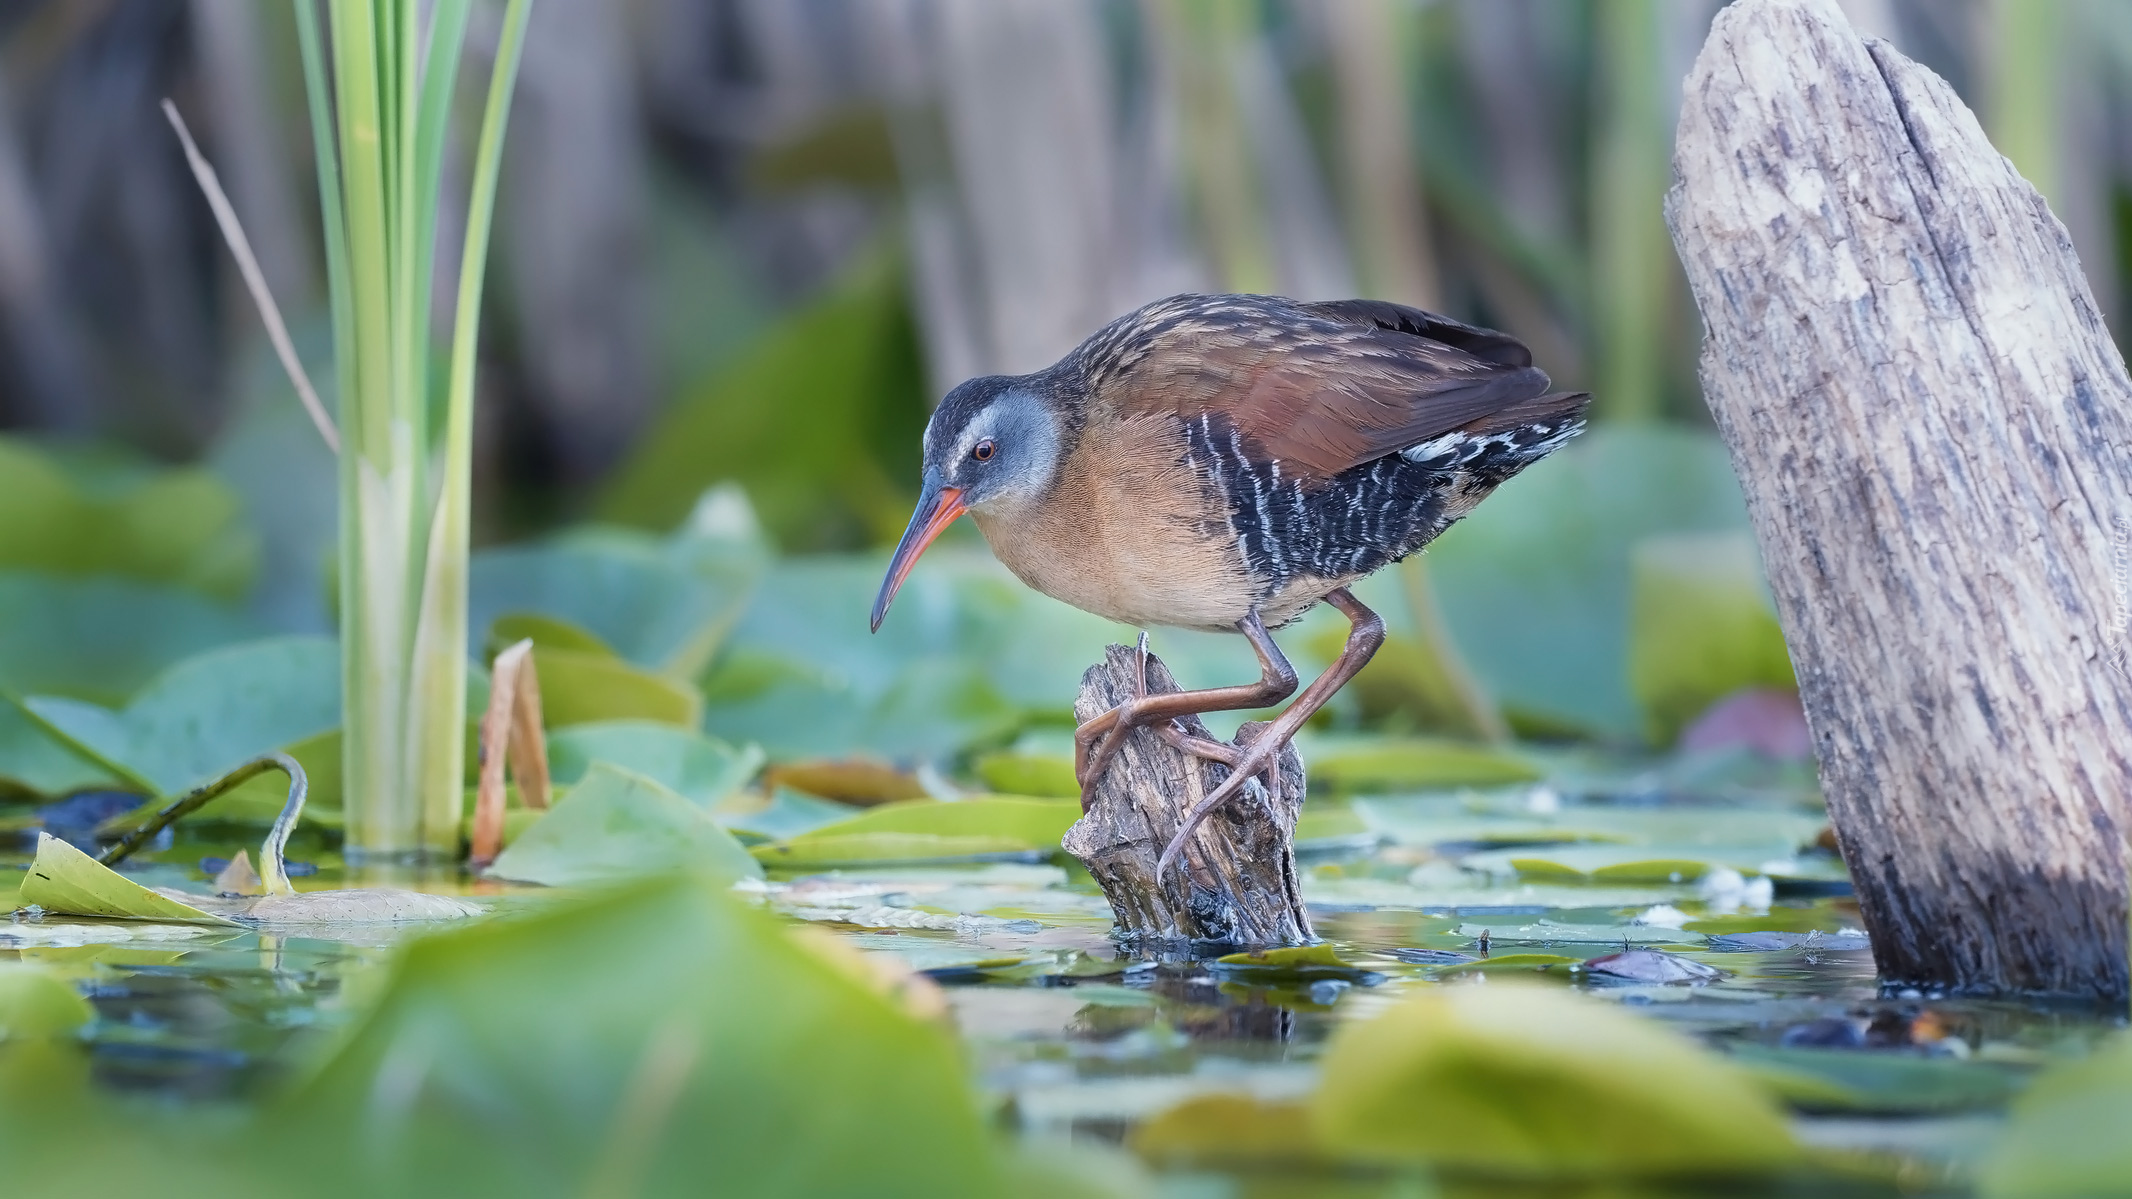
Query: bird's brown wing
[[1320, 388]]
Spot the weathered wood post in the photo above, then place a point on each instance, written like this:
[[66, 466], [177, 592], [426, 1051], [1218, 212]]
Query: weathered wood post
[[1935, 436], [1235, 883]]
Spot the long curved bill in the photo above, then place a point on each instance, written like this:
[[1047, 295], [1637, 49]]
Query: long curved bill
[[938, 507]]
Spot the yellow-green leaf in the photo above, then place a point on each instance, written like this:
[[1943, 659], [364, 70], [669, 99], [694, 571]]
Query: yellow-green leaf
[[1377, 764], [580, 687], [1540, 1082], [34, 1002], [929, 830], [63, 879]]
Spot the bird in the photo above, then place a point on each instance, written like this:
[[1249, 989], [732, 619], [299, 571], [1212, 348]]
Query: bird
[[1226, 463]]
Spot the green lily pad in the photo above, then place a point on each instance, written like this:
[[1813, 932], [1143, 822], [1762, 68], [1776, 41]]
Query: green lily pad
[[618, 824], [665, 1018], [1647, 870], [1305, 964], [703, 770], [65, 880], [34, 761], [545, 632], [1849, 1080], [181, 526], [1512, 961], [1704, 627], [1547, 932], [1536, 585], [1028, 774], [2065, 1136], [34, 1002], [850, 362], [1540, 1082], [665, 604], [789, 814], [921, 830], [208, 713], [1227, 1130], [1388, 763], [101, 639], [577, 687]]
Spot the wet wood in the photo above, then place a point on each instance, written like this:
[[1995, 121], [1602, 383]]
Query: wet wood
[[1934, 432], [1235, 883]]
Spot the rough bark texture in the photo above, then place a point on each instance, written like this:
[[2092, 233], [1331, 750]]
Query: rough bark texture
[[1932, 427], [1235, 883]]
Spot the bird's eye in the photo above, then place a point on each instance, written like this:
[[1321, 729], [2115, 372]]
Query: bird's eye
[[984, 450]]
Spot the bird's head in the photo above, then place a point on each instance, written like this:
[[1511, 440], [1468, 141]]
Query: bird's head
[[993, 443]]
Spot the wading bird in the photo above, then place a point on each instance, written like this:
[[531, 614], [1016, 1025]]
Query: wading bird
[[1225, 462]]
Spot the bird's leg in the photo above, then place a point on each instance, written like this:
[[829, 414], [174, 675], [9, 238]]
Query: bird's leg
[[1362, 642], [1277, 681]]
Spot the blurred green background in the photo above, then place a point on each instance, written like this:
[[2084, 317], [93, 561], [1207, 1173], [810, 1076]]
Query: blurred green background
[[749, 242]]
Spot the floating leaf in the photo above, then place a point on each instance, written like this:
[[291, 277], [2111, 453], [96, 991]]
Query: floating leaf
[[788, 815], [1653, 966], [208, 713], [642, 1040], [849, 780], [1384, 764], [545, 632], [1704, 628], [586, 688], [928, 830], [65, 880], [1028, 774], [703, 770], [370, 905], [35, 762], [2065, 1136], [1227, 1130], [1302, 964], [616, 824], [176, 526], [663, 603], [850, 364], [35, 1002], [1512, 961], [1883, 1083], [1539, 1082], [101, 639], [1536, 584]]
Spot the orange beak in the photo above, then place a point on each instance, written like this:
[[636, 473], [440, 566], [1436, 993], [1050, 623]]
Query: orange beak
[[937, 509]]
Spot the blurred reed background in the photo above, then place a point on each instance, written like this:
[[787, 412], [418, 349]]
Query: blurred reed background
[[754, 238]]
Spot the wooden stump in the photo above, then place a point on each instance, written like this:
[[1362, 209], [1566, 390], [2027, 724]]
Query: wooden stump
[[1934, 432], [1235, 882]]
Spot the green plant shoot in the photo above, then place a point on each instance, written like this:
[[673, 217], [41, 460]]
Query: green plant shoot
[[379, 120]]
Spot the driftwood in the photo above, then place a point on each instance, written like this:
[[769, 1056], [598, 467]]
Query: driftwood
[[1933, 430], [1235, 882]]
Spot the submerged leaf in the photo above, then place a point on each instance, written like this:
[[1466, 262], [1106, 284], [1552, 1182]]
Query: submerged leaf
[[35, 1002], [617, 824], [1883, 1083], [65, 880], [1227, 1130], [1540, 1082]]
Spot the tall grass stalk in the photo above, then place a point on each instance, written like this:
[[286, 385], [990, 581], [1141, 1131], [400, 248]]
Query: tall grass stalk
[[380, 115]]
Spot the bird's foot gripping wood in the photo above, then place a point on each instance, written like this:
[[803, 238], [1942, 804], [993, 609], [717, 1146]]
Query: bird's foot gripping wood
[[1236, 884]]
